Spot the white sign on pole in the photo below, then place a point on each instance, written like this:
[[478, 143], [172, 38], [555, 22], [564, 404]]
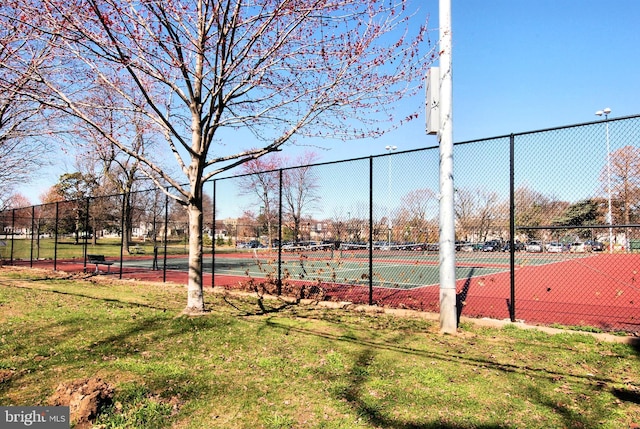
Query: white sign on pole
[[433, 100]]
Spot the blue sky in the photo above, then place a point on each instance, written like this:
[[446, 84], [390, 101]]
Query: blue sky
[[518, 65], [521, 65]]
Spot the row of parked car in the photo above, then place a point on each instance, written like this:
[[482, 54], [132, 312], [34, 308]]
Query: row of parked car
[[531, 246], [488, 246], [557, 247]]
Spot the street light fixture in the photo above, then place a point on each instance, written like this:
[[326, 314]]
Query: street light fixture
[[389, 149], [606, 113]]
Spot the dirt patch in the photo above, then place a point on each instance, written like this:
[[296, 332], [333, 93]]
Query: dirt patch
[[5, 375], [85, 399]]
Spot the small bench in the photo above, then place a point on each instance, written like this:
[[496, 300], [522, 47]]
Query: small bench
[[136, 250], [99, 260]]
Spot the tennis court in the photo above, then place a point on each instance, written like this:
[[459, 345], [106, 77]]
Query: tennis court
[[393, 268], [571, 289], [590, 289], [403, 270]]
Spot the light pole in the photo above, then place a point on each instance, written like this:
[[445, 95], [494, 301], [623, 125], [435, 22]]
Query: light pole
[[389, 149], [447, 250], [606, 112]]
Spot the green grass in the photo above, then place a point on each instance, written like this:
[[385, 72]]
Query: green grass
[[250, 364], [66, 249]]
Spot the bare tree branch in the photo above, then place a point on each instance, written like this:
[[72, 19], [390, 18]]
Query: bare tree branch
[[201, 70]]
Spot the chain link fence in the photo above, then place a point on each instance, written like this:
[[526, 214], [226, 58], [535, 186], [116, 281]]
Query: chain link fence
[[546, 226]]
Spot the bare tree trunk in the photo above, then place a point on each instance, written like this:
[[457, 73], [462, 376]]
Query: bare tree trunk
[[128, 219], [195, 296]]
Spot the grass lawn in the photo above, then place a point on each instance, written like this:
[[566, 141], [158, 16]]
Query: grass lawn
[[254, 363], [45, 248]]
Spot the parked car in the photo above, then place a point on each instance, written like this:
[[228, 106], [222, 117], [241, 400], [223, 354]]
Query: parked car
[[477, 247], [492, 246], [554, 247], [416, 247], [467, 247], [288, 247], [460, 244], [518, 246], [335, 243], [580, 247], [534, 247], [596, 246], [432, 247]]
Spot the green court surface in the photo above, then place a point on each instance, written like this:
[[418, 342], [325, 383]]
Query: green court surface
[[402, 269]]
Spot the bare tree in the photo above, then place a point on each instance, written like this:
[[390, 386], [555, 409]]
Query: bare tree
[[625, 182], [338, 225], [14, 201], [625, 186], [263, 181], [358, 223], [76, 188], [476, 211], [419, 207], [300, 190], [22, 148], [200, 69], [465, 210], [535, 209], [118, 172]]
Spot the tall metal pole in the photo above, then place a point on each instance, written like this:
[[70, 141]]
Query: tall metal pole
[[512, 229], [448, 314], [606, 112], [609, 185], [389, 149]]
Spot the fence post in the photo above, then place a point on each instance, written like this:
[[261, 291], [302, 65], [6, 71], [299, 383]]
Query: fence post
[[371, 230], [512, 229], [55, 241], [213, 238], [124, 235], [13, 232], [166, 232], [86, 229], [279, 285], [33, 215]]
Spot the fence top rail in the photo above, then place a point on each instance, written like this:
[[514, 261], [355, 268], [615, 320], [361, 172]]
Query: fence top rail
[[555, 227], [504, 136], [545, 130]]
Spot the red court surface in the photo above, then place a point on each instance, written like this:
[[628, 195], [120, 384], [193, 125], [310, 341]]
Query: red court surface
[[601, 291]]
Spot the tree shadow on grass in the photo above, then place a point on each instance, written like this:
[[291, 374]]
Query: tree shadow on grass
[[263, 310], [627, 395], [376, 415], [106, 343], [355, 393], [83, 295]]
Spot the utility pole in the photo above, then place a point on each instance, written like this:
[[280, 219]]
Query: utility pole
[[447, 253]]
